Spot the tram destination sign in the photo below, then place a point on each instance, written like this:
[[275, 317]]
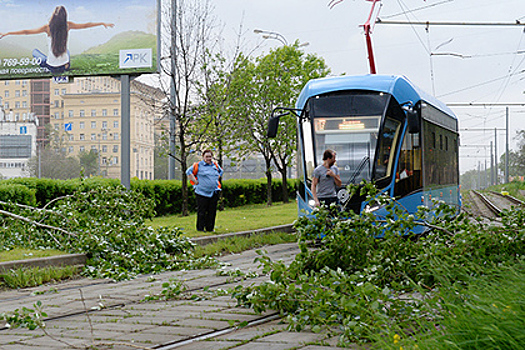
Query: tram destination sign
[[42, 38]]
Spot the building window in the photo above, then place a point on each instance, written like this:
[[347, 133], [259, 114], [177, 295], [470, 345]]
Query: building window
[[24, 104], [115, 160], [17, 104], [82, 148], [57, 92], [82, 137], [104, 112], [93, 137], [6, 92], [57, 115], [104, 125], [71, 137], [57, 126], [17, 93], [6, 105], [24, 92], [82, 125], [70, 149], [115, 136], [115, 111], [104, 136], [93, 112], [115, 149], [63, 91], [94, 148], [93, 125], [104, 148], [71, 113], [57, 103], [115, 124], [82, 113]]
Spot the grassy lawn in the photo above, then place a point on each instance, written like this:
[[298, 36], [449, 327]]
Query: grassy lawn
[[235, 219], [22, 254]]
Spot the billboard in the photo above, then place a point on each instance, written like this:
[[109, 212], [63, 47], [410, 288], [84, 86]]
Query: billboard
[[42, 38]]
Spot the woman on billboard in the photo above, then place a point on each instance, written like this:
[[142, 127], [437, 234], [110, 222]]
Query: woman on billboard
[[57, 61]]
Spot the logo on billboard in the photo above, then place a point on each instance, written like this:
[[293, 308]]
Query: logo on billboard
[[136, 58]]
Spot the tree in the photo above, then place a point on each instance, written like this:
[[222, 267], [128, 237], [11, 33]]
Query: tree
[[273, 80], [191, 38], [52, 161], [516, 158], [89, 162]]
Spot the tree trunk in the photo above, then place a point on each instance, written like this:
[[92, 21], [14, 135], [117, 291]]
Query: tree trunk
[[284, 186], [268, 182]]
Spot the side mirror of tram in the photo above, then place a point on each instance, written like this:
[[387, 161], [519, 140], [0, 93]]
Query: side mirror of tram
[[273, 125], [414, 121]]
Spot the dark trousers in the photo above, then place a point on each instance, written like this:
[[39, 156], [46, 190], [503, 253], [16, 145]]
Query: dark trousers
[[206, 212]]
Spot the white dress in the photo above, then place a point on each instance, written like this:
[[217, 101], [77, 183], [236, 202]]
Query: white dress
[[55, 61]]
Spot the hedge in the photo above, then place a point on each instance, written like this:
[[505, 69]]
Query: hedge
[[166, 193]]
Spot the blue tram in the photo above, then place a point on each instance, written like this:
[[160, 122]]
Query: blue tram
[[384, 129]]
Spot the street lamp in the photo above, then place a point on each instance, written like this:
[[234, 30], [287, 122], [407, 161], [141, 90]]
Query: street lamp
[[267, 34]]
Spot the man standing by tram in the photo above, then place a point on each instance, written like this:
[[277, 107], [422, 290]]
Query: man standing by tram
[[325, 180]]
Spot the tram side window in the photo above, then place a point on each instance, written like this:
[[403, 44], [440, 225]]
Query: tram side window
[[408, 174], [440, 159]]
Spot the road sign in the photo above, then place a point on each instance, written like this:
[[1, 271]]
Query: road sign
[[23, 130], [68, 126]]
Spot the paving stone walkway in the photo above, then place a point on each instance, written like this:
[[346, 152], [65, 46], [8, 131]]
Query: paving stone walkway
[[121, 319]]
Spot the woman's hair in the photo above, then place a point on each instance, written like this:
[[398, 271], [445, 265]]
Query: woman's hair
[[207, 151], [58, 31]]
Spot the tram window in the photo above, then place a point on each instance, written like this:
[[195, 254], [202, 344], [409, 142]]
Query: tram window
[[446, 143], [388, 140], [441, 142], [433, 140], [408, 174]]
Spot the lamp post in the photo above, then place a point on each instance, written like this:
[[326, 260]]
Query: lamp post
[[268, 34]]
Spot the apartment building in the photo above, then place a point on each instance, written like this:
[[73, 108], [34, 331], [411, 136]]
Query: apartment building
[[86, 113]]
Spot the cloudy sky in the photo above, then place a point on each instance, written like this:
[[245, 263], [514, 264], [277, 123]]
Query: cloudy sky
[[469, 64]]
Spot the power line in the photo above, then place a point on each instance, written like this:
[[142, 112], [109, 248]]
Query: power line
[[449, 23]]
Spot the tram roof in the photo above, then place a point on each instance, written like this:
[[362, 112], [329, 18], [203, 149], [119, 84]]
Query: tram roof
[[398, 86]]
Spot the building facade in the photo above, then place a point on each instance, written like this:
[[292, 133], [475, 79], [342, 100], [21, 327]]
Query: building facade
[[86, 115]]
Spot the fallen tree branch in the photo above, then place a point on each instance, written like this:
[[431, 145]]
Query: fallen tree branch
[[18, 217]]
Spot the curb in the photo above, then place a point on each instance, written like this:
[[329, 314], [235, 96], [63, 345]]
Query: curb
[[60, 260], [80, 259], [212, 239]]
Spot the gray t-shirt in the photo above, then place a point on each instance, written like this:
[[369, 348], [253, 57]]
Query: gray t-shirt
[[326, 184]]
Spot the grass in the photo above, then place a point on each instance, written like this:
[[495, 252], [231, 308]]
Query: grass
[[35, 276], [240, 244], [23, 254], [230, 220]]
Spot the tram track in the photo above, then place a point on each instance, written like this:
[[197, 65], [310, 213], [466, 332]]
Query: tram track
[[491, 204]]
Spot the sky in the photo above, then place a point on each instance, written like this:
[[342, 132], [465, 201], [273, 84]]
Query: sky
[[469, 64]]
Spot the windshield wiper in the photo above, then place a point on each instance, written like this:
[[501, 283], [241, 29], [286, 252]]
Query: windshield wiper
[[366, 159]]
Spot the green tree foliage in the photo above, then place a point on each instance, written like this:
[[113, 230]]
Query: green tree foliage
[[107, 224], [516, 158], [89, 162], [369, 278], [270, 81]]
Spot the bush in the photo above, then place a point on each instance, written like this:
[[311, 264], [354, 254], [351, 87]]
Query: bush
[[167, 194], [17, 193]]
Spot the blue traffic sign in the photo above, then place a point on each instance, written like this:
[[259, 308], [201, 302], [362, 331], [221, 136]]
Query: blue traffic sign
[[23, 130], [68, 126]]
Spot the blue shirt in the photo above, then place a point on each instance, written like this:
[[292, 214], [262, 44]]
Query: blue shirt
[[208, 177]]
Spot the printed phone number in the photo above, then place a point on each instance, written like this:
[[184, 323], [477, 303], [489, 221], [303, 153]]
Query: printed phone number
[[12, 62]]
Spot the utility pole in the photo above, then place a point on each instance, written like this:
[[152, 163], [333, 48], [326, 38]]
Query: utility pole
[[173, 92], [507, 155]]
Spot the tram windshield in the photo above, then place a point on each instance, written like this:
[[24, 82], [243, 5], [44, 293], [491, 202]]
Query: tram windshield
[[347, 123]]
